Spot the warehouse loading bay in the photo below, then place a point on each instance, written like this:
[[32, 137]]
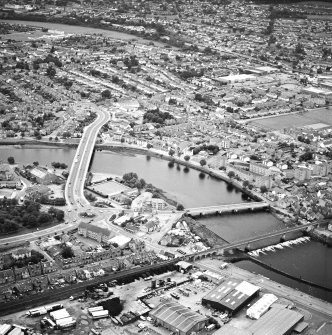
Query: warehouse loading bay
[[149, 291]]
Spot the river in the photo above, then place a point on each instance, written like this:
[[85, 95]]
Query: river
[[312, 261]]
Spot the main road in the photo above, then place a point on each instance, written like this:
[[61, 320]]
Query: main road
[[74, 193]]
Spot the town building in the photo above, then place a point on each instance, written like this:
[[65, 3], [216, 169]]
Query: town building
[[21, 253], [43, 176], [158, 204], [94, 232]]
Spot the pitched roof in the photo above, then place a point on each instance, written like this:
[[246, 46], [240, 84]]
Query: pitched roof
[[177, 315], [276, 322], [95, 229]]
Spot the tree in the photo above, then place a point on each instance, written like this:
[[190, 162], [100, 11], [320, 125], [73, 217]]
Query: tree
[[186, 158], [299, 49], [106, 94], [60, 215], [51, 72], [263, 189], [171, 152], [231, 174], [11, 160], [67, 252], [245, 183], [149, 145], [202, 162], [35, 163], [179, 207]]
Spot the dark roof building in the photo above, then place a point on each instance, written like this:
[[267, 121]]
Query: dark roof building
[[231, 295], [178, 318], [277, 321]]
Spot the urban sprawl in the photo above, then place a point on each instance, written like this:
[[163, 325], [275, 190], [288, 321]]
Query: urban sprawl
[[238, 90]]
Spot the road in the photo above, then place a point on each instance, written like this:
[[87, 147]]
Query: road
[[75, 183], [74, 193]]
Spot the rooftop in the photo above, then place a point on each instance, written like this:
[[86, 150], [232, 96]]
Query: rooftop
[[177, 315], [276, 322]]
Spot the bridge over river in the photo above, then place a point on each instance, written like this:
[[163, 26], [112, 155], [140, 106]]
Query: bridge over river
[[282, 234], [230, 208]]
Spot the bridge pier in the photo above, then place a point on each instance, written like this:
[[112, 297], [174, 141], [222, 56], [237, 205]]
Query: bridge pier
[[247, 247], [283, 238]]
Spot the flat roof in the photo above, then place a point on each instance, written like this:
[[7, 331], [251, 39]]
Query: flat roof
[[120, 240], [276, 322]]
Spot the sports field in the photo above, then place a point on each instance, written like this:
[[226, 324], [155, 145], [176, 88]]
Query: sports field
[[319, 115], [110, 187]]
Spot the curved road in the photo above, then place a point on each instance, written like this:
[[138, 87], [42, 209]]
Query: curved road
[[75, 183]]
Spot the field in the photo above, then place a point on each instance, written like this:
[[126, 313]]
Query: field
[[320, 115], [110, 187]]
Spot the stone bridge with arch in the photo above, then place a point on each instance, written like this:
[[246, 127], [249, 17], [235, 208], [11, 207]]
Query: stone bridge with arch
[[220, 251]]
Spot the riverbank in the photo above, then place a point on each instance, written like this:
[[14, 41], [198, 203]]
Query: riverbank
[[288, 275]]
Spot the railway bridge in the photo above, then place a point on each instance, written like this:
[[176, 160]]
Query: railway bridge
[[219, 251]]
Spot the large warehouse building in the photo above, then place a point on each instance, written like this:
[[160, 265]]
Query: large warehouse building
[[277, 321], [177, 318], [231, 296]]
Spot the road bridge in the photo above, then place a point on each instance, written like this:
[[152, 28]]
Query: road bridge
[[75, 183], [246, 242], [230, 208]]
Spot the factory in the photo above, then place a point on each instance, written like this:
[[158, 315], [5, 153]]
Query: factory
[[231, 296], [178, 318]]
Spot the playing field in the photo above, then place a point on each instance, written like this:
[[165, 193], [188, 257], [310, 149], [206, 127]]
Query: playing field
[[110, 187], [321, 115]]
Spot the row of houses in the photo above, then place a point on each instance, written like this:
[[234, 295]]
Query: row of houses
[[31, 270]]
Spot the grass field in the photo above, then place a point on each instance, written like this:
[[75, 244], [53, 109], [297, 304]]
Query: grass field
[[110, 187], [320, 115]]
